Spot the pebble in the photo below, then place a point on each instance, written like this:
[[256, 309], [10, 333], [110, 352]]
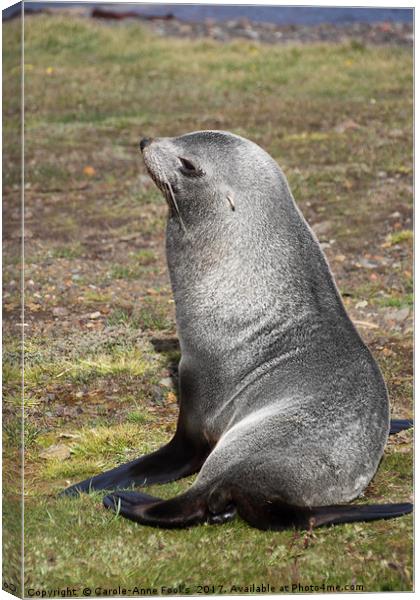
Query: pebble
[[361, 304], [60, 311], [58, 451], [346, 125], [400, 34], [367, 264], [396, 34], [397, 314], [95, 315], [321, 228]]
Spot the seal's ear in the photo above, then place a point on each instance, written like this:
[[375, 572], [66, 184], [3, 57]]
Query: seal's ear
[[230, 199]]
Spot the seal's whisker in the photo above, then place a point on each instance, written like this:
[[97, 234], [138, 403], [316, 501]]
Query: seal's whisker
[[174, 202], [157, 174]]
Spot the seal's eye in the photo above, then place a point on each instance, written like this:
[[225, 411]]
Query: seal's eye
[[188, 168]]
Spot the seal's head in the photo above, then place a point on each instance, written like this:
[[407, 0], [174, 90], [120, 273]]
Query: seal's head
[[202, 174]]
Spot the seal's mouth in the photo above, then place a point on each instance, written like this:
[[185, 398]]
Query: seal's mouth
[[155, 171], [158, 175]]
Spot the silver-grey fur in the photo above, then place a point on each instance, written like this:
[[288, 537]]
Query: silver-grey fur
[[273, 373]]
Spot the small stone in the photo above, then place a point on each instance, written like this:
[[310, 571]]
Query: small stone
[[70, 436], [361, 304], [398, 314], [60, 311], [321, 228], [158, 395], [166, 381], [346, 125], [367, 264], [396, 133], [58, 451], [95, 315]]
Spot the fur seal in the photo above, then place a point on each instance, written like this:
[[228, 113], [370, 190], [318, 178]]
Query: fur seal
[[283, 410]]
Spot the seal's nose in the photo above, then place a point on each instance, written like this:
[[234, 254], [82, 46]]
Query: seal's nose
[[144, 142]]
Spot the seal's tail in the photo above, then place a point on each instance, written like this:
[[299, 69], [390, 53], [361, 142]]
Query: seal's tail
[[193, 508]]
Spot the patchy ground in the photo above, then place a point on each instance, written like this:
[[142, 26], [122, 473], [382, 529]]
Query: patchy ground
[[100, 339]]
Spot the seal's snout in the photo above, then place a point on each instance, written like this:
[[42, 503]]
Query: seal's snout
[[144, 142]]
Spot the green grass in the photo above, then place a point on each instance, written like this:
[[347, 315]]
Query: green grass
[[128, 363], [397, 302], [152, 314], [401, 236], [92, 90], [71, 251], [145, 257], [230, 555]]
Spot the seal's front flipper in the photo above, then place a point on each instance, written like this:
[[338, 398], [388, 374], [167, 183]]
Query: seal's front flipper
[[173, 461], [398, 425], [183, 511]]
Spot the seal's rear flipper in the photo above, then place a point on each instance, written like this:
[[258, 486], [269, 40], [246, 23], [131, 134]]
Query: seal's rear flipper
[[192, 508], [277, 516], [398, 425], [334, 515], [183, 511], [264, 513]]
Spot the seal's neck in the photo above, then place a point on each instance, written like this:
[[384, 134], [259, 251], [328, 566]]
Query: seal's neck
[[243, 273]]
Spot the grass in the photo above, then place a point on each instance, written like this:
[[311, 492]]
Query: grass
[[397, 302], [126, 363], [401, 236], [96, 244], [70, 252]]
